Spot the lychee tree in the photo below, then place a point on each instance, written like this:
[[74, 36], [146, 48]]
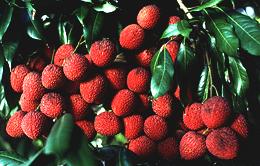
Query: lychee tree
[[116, 82]]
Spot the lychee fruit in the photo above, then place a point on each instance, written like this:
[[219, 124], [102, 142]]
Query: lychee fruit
[[148, 16], [168, 148], [34, 124], [145, 57], [163, 105], [174, 19], [102, 52], [76, 67], [155, 127], [124, 102], [88, 128], [133, 126], [215, 111], [107, 124], [132, 37], [13, 127], [223, 143], [192, 118], [93, 89], [138, 80], [32, 86], [37, 64], [142, 146], [62, 53], [240, 126], [52, 77], [116, 77], [192, 146], [52, 104], [79, 107], [173, 49], [17, 76], [28, 105]]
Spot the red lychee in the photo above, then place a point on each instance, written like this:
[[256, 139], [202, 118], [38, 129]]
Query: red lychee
[[163, 105], [148, 16], [174, 19], [79, 107], [240, 126], [62, 53], [88, 129], [133, 126], [17, 76], [155, 127], [52, 104], [13, 127], [116, 77], [124, 102], [223, 143], [132, 37], [173, 49], [142, 146], [168, 148], [28, 105], [138, 80], [107, 124], [145, 57], [37, 64], [52, 77], [192, 146], [192, 118], [215, 112], [102, 52]]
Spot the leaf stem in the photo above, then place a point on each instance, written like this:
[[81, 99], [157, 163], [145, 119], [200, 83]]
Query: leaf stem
[[210, 73], [185, 9], [79, 43]]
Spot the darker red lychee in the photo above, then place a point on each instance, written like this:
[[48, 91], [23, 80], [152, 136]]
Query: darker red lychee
[[79, 107], [138, 80], [52, 104], [17, 76], [116, 77], [192, 118], [28, 105], [173, 49], [145, 57], [148, 16], [168, 149], [163, 105], [13, 127], [174, 19], [132, 37], [192, 146], [88, 129], [62, 53], [223, 143], [37, 64], [107, 124], [52, 77], [124, 102], [240, 126], [102, 52], [133, 126], [215, 112], [155, 127]]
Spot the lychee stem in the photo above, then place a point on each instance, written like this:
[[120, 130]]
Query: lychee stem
[[79, 43], [185, 9]]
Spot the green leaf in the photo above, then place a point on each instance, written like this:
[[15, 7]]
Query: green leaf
[[97, 25], [62, 32], [162, 72], [2, 62], [33, 33], [4, 106], [239, 77], [6, 19], [106, 7], [204, 84], [10, 159], [89, 1], [208, 4], [40, 159], [9, 51], [124, 158], [179, 28], [226, 40], [59, 139], [82, 13]]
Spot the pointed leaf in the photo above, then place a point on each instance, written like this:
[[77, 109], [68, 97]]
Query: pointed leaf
[[62, 32], [2, 62], [33, 33], [179, 28], [97, 25], [5, 19], [106, 7], [204, 83], [10, 159], [82, 13], [208, 4], [9, 51]]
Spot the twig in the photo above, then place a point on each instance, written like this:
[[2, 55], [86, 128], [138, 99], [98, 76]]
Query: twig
[[185, 9]]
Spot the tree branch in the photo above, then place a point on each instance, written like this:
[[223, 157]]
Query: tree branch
[[185, 9]]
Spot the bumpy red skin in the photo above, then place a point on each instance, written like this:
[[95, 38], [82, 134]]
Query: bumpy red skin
[[13, 126], [107, 124], [145, 57], [174, 19], [52, 77], [192, 118], [93, 89], [28, 105], [88, 129], [163, 105], [142, 146], [62, 53], [76, 67], [34, 124], [168, 149], [173, 49], [71, 87], [32, 86], [116, 77], [52, 105], [124, 102], [240, 126], [133, 126], [17, 76], [144, 103], [223, 143], [192, 146], [215, 112], [102, 52], [148, 16], [132, 37], [79, 107], [138, 80], [155, 127], [37, 64]]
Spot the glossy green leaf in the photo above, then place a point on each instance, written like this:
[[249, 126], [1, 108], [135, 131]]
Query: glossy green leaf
[[33, 33], [106, 7], [204, 84], [89, 1], [10, 159], [207, 4], [180, 28], [82, 13], [2, 62], [97, 25], [5, 19], [62, 32], [4, 106], [125, 158], [9, 51]]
